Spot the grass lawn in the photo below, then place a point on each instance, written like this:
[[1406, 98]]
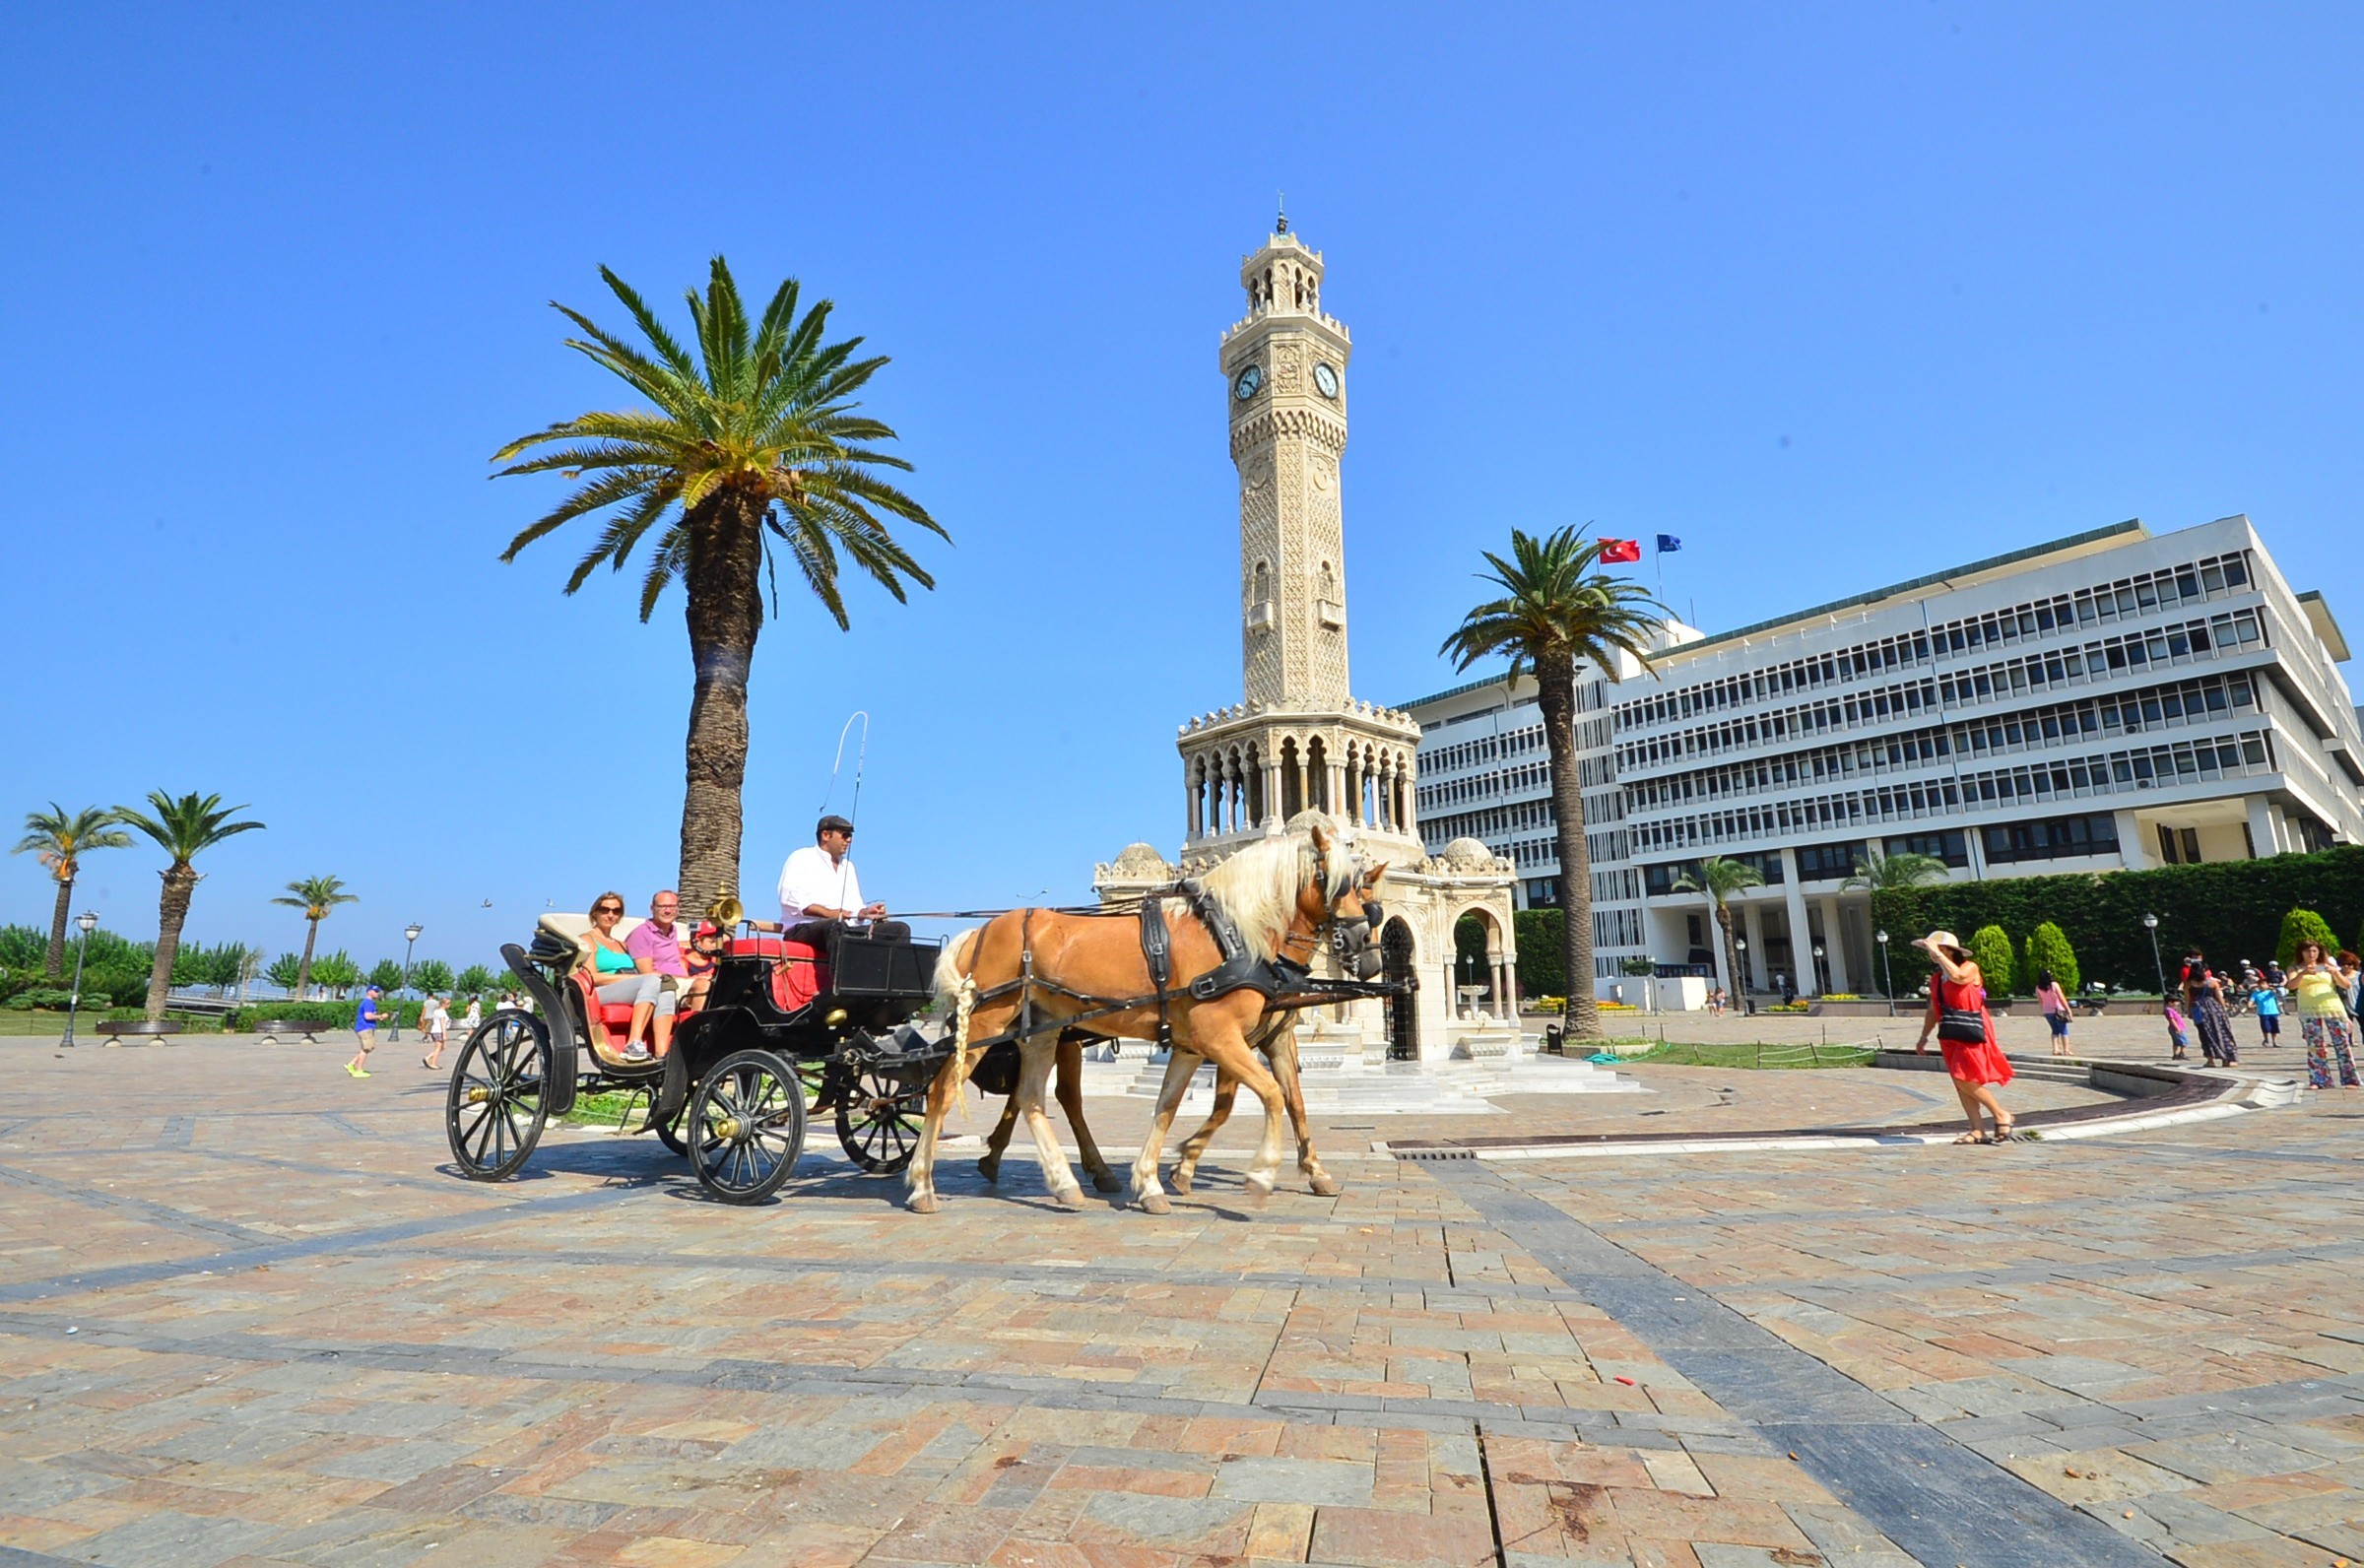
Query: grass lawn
[[1677, 1053]]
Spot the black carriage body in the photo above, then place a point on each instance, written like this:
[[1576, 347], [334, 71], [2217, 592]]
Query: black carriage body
[[721, 1095]]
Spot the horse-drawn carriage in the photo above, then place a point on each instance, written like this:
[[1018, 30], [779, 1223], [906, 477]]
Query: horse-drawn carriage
[[1216, 968], [781, 1020]]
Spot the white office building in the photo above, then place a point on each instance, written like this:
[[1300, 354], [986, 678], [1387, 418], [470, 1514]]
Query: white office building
[[2111, 700]]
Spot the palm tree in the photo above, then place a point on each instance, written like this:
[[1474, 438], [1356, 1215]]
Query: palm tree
[[1906, 870], [1553, 616], [1719, 879], [185, 829], [315, 896], [61, 838], [756, 440]]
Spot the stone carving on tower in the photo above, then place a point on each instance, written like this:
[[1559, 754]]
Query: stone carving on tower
[[1298, 740]]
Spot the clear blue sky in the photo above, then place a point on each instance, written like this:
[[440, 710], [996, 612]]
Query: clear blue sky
[[1839, 295]]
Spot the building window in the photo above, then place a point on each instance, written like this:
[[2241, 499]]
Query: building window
[[1950, 846], [1825, 861], [2053, 838]]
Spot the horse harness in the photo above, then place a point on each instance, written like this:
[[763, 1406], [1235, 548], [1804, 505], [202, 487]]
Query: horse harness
[[1238, 969]]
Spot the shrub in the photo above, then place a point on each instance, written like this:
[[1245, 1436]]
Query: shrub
[[56, 1000], [1538, 932], [243, 1019], [1991, 947], [2048, 949], [2304, 925]]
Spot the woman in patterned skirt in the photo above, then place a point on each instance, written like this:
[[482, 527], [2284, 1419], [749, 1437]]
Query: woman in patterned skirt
[[2204, 1000], [2322, 1016], [1977, 1066]]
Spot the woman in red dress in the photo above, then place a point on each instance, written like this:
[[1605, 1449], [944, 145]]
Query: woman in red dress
[[1957, 1004]]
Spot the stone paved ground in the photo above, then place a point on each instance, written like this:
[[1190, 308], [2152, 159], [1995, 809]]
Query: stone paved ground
[[246, 1316]]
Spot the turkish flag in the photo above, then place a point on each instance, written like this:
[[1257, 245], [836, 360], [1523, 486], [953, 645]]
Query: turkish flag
[[1620, 550]]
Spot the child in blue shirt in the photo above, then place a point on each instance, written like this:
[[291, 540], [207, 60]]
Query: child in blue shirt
[[2268, 1002]]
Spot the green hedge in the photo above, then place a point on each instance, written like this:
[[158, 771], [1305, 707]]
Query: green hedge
[[1991, 949], [2231, 910], [2305, 925], [243, 1019], [1541, 971]]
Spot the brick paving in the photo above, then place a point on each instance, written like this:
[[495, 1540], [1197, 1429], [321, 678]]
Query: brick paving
[[246, 1316]]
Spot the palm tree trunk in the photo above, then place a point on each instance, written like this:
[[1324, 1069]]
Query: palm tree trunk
[[56, 962], [170, 911], [303, 970], [726, 612], [1555, 694]]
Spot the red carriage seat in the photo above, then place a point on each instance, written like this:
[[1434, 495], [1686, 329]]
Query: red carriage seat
[[757, 944], [798, 977]]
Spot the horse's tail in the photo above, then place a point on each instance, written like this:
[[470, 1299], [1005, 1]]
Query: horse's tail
[[956, 985]]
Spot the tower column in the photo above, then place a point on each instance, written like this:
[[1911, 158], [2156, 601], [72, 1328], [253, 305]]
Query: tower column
[[1272, 789]]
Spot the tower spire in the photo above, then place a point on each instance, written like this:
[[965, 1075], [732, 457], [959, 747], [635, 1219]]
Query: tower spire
[[1280, 224]]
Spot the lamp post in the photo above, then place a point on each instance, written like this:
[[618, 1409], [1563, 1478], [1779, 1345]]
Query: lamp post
[[409, 940], [1739, 982], [89, 923], [2150, 922], [1887, 978], [1821, 980]]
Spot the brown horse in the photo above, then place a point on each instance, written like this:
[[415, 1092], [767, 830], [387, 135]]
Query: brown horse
[[1040, 970]]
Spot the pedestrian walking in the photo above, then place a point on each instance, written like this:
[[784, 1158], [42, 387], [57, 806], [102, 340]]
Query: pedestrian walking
[[473, 1017], [2056, 1009], [364, 1032], [434, 1021], [1965, 1031], [2267, 1001], [2178, 1028], [2203, 1001], [2324, 1020]]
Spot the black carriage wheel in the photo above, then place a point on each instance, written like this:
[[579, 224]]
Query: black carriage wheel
[[746, 1127], [496, 1105], [879, 1118]]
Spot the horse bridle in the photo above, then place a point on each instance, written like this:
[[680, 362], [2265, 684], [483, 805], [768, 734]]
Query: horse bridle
[[1349, 940]]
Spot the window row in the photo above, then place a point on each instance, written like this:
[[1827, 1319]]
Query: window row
[[2101, 773], [1617, 928], [2182, 702], [2237, 632], [2141, 594]]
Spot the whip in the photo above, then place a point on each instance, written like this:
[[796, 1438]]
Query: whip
[[853, 813]]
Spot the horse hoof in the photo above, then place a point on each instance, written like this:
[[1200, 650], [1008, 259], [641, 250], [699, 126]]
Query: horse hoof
[[1326, 1185], [1156, 1204], [1182, 1177], [1108, 1181], [990, 1169], [1070, 1198], [1259, 1189], [923, 1203]]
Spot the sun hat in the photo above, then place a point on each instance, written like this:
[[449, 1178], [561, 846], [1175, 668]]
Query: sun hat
[[1948, 941]]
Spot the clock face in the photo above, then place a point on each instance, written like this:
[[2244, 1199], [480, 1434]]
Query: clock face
[[1325, 380], [1250, 382]]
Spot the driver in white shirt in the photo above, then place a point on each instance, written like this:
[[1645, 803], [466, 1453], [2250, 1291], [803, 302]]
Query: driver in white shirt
[[819, 893]]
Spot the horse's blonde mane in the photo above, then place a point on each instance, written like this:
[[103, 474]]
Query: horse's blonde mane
[[1257, 887]]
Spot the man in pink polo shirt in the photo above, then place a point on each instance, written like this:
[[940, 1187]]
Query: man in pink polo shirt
[[656, 948]]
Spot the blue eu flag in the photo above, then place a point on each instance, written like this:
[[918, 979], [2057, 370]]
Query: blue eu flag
[[1668, 541]]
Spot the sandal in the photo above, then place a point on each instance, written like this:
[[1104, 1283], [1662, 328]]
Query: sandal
[[1979, 1136], [2003, 1132]]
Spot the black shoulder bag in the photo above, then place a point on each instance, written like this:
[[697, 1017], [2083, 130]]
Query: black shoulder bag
[[1962, 1025]]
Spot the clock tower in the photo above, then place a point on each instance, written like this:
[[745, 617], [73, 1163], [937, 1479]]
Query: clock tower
[[1285, 365], [1299, 741]]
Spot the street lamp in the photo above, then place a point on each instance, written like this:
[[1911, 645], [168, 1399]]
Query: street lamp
[[1739, 982], [1821, 980], [2150, 922], [89, 923], [409, 940], [1887, 978]]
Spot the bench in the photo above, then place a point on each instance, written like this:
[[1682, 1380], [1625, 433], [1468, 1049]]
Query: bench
[[139, 1028], [280, 1028]]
